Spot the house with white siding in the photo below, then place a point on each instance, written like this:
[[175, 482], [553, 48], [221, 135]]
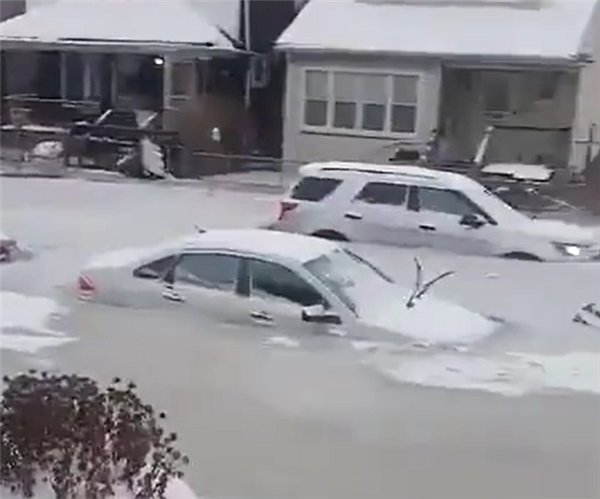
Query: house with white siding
[[364, 75]]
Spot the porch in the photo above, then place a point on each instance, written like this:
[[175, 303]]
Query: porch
[[48, 92], [74, 61], [532, 110]]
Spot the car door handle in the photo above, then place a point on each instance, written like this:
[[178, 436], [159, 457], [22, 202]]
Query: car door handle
[[353, 216], [261, 316], [429, 228], [170, 294]]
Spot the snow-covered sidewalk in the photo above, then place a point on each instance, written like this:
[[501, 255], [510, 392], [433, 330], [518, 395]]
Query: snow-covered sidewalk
[[261, 180]]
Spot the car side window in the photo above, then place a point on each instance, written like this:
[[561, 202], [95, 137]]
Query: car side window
[[383, 193], [446, 201], [208, 270], [156, 269], [314, 188], [274, 280]]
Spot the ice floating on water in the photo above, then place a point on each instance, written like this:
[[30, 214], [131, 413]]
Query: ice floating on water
[[282, 341], [19, 311], [25, 343], [31, 314], [511, 374]]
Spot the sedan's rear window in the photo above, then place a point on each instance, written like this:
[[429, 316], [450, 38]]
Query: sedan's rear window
[[314, 188], [156, 269]]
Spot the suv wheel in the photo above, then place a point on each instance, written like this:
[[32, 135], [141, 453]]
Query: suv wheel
[[332, 235], [519, 255]]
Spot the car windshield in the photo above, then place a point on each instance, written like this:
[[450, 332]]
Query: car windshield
[[349, 276], [494, 205]]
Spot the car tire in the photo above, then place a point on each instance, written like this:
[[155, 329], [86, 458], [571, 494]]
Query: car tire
[[523, 256], [332, 235]]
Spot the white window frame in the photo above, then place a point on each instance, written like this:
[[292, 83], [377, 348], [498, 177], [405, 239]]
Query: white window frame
[[358, 132]]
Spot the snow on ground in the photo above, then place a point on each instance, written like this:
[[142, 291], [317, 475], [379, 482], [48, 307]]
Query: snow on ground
[[65, 222], [24, 323]]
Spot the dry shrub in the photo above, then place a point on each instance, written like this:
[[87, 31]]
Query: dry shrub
[[83, 439]]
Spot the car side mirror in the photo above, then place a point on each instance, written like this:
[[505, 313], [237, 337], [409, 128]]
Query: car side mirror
[[472, 220], [317, 314]]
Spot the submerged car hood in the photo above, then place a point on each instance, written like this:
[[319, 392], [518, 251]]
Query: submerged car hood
[[563, 232], [431, 320]]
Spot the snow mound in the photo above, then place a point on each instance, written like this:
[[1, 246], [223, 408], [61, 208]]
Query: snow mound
[[48, 149], [31, 314]]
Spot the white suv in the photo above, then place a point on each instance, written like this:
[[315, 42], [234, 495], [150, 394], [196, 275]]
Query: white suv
[[418, 207]]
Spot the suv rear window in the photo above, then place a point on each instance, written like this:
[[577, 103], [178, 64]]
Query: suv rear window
[[314, 188]]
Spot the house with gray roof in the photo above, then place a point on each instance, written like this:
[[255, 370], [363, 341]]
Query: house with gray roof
[[366, 75]]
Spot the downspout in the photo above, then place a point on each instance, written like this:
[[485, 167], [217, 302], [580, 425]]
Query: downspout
[[248, 47]]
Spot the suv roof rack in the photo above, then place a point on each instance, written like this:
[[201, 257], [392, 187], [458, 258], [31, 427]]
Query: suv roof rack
[[373, 171]]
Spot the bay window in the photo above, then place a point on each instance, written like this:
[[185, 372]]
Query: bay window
[[360, 103]]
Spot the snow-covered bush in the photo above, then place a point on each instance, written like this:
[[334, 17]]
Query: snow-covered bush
[[65, 437]]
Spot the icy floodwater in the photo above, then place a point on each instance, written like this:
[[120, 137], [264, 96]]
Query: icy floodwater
[[67, 222], [269, 416], [538, 348]]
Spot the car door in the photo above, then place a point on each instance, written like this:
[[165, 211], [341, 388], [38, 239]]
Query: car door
[[205, 283], [379, 214], [276, 297], [438, 214]]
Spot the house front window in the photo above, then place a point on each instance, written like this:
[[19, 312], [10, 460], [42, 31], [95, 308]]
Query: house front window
[[370, 104], [316, 99], [496, 92]]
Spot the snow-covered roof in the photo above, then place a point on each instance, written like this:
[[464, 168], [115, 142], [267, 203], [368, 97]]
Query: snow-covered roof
[[535, 29], [128, 22], [222, 13]]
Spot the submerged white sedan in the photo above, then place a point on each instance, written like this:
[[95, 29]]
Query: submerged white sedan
[[264, 279]]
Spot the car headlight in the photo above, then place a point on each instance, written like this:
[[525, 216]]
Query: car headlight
[[569, 249]]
